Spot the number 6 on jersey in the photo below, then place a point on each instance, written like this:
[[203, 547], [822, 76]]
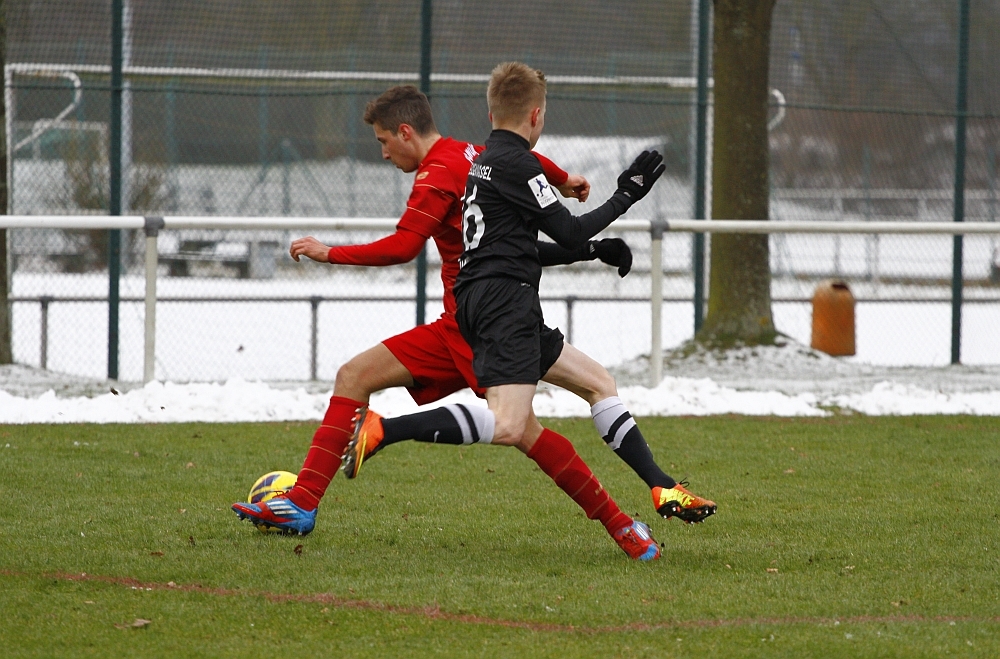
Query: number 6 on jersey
[[473, 225]]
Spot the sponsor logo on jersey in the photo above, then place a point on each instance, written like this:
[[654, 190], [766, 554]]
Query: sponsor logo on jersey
[[480, 171], [542, 191], [422, 175], [470, 152]]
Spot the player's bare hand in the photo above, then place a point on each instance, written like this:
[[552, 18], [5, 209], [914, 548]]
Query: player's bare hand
[[575, 186], [311, 248]]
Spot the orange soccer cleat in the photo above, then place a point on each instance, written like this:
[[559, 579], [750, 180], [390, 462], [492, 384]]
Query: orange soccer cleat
[[365, 440], [678, 502]]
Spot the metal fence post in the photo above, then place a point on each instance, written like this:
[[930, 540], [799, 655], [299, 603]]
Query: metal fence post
[[44, 358], [960, 110], [115, 182], [152, 228], [426, 10], [314, 337], [701, 160], [656, 228], [570, 299]]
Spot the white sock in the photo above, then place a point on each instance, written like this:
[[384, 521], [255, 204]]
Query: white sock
[[477, 423], [612, 420]]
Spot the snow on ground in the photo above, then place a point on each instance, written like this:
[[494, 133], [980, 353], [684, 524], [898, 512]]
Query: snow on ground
[[790, 380]]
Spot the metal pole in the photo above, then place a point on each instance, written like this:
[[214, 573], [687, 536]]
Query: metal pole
[[425, 87], [153, 226], [44, 359], [570, 299], [960, 110], [314, 337], [127, 130], [656, 304], [115, 180], [701, 159], [286, 184]]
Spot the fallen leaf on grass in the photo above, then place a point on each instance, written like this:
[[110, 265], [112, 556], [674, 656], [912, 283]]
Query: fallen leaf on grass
[[298, 550], [182, 510], [189, 465], [899, 603], [772, 570], [191, 540], [156, 553], [789, 471], [138, 623]]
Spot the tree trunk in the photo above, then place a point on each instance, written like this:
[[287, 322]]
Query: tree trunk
[[739, 304], [6, 355]]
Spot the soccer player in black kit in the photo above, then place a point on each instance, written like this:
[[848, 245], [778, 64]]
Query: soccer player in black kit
[[507, 201]]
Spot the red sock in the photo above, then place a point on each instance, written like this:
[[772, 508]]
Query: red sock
[[323, 458], [560, 462]]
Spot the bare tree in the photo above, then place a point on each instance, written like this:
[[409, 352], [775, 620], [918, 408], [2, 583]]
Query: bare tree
[[739, 305]]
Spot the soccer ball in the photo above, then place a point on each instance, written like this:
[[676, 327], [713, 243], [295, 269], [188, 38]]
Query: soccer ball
[[271, 485]]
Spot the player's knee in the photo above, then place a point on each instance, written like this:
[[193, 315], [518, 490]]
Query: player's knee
[[606, 385], [599, 386], [350, 378], [506, 433]]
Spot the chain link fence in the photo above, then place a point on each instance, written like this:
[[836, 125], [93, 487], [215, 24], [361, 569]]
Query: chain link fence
[[253, 108]]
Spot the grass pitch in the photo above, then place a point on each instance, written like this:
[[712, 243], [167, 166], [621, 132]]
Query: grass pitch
[[840, 537]]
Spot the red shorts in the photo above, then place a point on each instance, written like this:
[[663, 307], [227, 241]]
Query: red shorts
[[438, 358]]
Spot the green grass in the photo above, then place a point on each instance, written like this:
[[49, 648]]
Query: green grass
[[883, 531]]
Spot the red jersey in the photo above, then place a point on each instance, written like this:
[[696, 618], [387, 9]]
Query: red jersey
[[434, 210]]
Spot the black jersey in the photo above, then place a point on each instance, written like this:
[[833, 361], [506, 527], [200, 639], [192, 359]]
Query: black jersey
[[507, 201]]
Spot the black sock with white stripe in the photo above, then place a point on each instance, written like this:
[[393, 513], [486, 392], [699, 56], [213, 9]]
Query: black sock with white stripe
[[621, 433], [451, 424]]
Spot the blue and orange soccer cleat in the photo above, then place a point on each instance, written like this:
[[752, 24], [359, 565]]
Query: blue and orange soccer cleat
[[365, 440], [637, 542], [678, 502], [277, 513]]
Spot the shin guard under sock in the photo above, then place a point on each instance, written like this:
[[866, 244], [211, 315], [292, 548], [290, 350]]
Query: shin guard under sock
[[622, 435], [450, 424], [559, 460], [323, 458]]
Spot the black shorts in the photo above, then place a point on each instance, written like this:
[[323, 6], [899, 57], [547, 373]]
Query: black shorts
[[501, 318]]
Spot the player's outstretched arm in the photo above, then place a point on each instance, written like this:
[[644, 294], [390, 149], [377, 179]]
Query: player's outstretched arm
[[633, 184], [400, 247], [613, 251]]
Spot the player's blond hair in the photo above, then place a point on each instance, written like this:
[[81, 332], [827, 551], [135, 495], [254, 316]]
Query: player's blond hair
[[402, 104], [515, 89]]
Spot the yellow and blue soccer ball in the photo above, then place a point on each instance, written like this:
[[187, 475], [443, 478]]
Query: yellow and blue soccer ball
[[269, 486]]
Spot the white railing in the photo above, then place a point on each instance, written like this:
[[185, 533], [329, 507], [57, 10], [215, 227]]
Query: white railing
[[154, 224]]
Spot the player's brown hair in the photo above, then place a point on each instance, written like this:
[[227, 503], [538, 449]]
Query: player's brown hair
[[402, 104], [514, 90]]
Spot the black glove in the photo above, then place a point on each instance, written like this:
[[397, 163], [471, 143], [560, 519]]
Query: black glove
[[613, 251], [640, 176]]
